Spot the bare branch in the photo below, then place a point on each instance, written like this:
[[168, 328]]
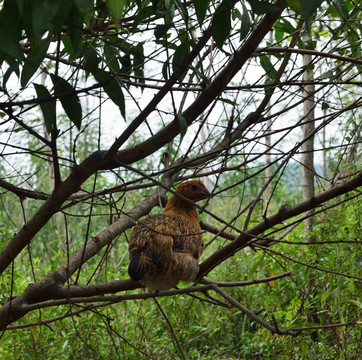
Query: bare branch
[[273, 49], [252, 315]]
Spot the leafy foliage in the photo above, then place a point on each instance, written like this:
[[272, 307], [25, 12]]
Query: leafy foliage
[[153, 93]]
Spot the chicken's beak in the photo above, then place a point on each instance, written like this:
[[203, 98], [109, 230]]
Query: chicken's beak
[[205, 195]]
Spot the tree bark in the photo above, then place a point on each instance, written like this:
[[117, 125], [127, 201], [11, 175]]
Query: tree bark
[[308, 145]]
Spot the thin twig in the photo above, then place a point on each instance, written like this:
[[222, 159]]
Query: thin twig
[[252, 315], [307, 265], [327, 326], [171, 328]]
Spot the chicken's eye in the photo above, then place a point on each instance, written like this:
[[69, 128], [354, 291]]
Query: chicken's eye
[[194, 187]]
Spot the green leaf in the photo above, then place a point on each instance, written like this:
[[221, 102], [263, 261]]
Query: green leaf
[[13, 67], [91, 60], [8, 44], [326, 75], [48, 108], [201, 7], [75, 29], [165, 70], [295, 5], [267, 66], [182, 8], [110, 54], [85, 7], [155, 4], [112, 88], [311, 45], [227, 101], [341, 7], [308, 67], [263, 7], [57, 23], [68, 98], [126, 63], [221, 23], [43, 12], [143, 13], [161, 30], [170, 11], [278, 35], [289, 315], [357, 303], [10, 30], [68, 46], [235, 14], [116, 8], [183, 124], [204, 78], [309, 7], [33, 60], [138, 63], [281, 27], [286, 26], [245, 23], [179, 56], [325, 105]]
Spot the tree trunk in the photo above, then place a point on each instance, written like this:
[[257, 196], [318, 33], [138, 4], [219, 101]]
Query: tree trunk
[[308, 177], [268, 169], [308, 145]]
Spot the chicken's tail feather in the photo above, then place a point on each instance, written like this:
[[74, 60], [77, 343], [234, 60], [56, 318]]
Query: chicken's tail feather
[[139, 266]]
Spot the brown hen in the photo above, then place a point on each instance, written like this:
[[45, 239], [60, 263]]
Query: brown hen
[[165, 248]]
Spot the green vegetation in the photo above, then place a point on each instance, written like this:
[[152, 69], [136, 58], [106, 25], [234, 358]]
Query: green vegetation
[[105, 105], [136, 329]]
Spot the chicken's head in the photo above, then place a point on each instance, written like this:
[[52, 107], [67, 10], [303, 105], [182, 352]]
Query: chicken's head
[[194, 190]]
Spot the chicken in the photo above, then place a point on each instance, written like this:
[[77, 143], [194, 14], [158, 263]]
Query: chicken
[[165, 248]]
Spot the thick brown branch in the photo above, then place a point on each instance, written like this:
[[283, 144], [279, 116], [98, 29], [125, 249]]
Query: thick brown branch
[[159, 96], [74, 294], [102, 160], [92, 292], [23, 193], [210, 93], [47, 210], [284, 214], [214, 230], [47, 288]]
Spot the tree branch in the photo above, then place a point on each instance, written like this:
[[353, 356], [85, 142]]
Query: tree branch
[[284, 214], [103, 160], [23, 193], [46, 288], [252, 315], [274, 49], [211, 92]]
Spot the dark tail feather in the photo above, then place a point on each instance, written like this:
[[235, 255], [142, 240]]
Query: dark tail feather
[[139, 266]]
